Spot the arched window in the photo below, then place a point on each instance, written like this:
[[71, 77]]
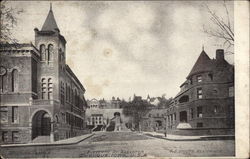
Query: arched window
[[3, 78], [14, 80], [50, 52], [184, 99], [50, 89], [44, 88], [43, 52]]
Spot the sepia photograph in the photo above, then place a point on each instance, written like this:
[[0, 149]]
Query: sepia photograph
[[95, 79]]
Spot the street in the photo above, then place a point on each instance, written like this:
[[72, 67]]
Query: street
[[125, 144]]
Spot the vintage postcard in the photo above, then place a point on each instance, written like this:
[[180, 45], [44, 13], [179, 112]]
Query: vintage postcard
[[95, 79]]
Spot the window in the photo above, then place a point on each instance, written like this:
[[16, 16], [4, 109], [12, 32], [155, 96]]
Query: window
[[191, 81], [44, 88], [215, 109], [76, 98], [184, 99], [43, 52], [14, 117], [14, 136], [4, 136], [199, 112], [199, 125], [50, 52], [199, 93], [63, 117], [62, 93], [210, 75], [191, 113], [215, 91], [66, 92], [3, 78], [199, 78], [231, 91], [56, 118], [67, 118], [3, 114], [50, 89], [14, 80]]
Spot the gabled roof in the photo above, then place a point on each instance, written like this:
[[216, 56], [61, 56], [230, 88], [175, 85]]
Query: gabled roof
[[203, 64], [50, 22]]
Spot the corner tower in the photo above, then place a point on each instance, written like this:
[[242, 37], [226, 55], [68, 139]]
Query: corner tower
[[51, 45]]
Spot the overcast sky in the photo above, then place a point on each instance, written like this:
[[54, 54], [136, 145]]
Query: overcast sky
[[121, 48]]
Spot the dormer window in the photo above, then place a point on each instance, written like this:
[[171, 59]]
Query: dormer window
[[199, 78]]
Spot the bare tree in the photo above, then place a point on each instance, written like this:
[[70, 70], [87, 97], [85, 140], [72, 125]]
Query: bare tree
[[8, 20], [221, 28]]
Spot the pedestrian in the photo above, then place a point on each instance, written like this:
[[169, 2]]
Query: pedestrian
[[165, 132]]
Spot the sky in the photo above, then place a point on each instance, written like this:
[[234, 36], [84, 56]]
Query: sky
[[125, 48]]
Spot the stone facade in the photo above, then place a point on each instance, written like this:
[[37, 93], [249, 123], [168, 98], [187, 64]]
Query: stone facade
[[39, 93], [206, 99], [154, 120], [101, 113]]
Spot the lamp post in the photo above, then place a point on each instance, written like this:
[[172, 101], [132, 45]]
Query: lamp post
[[165, 127]]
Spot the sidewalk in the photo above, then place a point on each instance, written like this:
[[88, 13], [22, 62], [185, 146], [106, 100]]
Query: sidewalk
[[189, 138], [69, 141]]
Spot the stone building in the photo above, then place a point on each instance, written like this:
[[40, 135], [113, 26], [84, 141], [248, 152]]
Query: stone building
[[41, 99], [101, 113], [205, 103], [154, 119]]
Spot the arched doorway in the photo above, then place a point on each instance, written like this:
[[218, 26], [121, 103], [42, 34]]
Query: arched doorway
[[41, 124], [183, 116], [117, 114]]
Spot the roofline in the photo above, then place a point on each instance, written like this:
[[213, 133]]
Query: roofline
[[74, 76]]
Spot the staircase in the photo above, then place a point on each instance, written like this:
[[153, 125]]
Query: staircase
[[41, 139], [98, 128], [183, 126]]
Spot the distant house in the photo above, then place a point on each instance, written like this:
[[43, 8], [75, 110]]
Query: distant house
[[100, 113]]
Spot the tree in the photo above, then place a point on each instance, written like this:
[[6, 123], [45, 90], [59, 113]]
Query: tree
[[8, 17], [136, 109], [164, 102], [221, 27]]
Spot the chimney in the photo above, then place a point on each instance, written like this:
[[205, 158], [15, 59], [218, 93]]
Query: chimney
[[219, 54]]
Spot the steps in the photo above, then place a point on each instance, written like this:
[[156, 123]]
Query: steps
[[183, 126], [98, 128]]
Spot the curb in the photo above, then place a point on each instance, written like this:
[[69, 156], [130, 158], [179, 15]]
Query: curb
[[197, 139], [46, 144]]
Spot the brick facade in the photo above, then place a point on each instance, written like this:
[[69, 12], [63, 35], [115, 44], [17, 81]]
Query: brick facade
[[39, 93], [206, 99]]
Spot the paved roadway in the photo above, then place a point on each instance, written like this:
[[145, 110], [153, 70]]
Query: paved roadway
[[126, 144]]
